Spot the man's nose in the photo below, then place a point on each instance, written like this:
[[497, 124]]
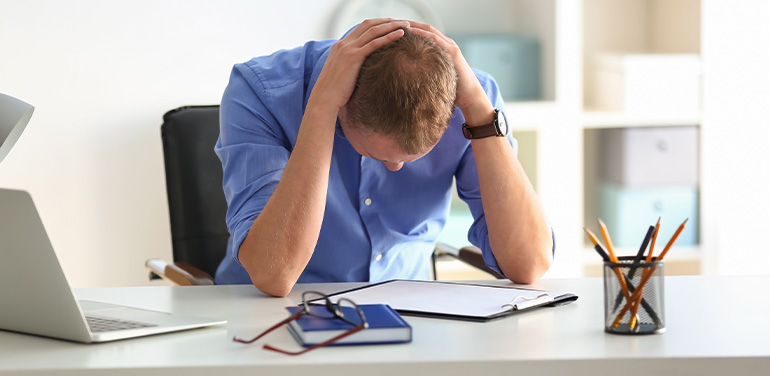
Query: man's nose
[[393, 166]]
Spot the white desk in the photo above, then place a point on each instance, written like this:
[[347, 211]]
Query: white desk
[[702, 338]]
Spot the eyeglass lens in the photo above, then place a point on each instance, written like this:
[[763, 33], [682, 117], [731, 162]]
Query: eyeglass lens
[[344, 309], [310, 298]]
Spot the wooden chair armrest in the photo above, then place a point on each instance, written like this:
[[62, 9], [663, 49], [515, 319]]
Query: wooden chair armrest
[[179, 273]]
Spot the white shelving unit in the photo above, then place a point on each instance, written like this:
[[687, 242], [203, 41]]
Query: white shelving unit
[[623, 27], [564, 126]]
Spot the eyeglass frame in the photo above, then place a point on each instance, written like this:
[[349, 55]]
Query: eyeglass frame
[[335, 309]]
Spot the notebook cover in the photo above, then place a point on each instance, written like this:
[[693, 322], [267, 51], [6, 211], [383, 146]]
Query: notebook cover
[[385, 326]]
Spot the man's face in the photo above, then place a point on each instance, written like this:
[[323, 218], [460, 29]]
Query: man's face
[[376, 146]]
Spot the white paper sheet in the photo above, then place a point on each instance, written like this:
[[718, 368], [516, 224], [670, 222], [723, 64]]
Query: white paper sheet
[[449, 298]]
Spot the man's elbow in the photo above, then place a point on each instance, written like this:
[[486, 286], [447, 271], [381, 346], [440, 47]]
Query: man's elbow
[[274, 285], [271, 279], [529, 272], [529, 275], [274, 288]]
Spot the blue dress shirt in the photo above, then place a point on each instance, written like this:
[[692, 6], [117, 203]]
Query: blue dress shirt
[[378, 224]]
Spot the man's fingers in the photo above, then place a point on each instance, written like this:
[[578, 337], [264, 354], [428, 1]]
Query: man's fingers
[[422, 26], [436, 36], [424, 33], [379, 30], [364, 26], [376, 43], [377, 25]]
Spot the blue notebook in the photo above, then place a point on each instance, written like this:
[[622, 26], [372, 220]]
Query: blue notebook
[[385, 326]]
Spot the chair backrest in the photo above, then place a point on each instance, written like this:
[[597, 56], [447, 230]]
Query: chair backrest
[[196, 201]]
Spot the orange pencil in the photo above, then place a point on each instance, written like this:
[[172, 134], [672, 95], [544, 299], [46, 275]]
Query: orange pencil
[[607, 241], [597, 245], [673, 239], [654, 239], [613, 258]]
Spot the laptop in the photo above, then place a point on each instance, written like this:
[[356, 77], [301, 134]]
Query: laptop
[[35, 297]]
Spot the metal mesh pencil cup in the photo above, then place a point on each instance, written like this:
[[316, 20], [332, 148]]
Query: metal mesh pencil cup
[[627, 310]]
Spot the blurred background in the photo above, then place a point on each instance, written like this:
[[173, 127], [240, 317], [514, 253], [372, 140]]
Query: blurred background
[[628, 110]]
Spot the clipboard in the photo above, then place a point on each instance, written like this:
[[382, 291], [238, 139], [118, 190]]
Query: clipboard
[[452, 300]]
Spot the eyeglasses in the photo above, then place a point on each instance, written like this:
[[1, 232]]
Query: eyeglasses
[[355, 317]]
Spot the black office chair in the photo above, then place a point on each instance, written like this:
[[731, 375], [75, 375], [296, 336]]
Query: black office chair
[[196, 202], [197, 205]]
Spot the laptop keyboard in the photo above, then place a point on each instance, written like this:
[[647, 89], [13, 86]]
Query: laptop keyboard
[[101, 324]]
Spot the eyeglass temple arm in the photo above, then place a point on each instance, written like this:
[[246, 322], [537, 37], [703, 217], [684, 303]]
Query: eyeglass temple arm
[[280, 324], [322, 344]]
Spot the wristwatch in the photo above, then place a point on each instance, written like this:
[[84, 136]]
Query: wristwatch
[[498, 127]]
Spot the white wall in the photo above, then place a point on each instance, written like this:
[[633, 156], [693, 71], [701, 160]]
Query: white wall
[[736, 123], [101, 73]]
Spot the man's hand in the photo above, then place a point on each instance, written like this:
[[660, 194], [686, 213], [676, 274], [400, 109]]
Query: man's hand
[[338, 78], [471, 99]]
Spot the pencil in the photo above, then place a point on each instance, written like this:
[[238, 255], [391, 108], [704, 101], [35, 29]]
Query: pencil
[[603, 254], [654, 239], [597, 246], [640, 254], [673, 239], [608, 241], [649, 259], [647, 274], [635, 265]]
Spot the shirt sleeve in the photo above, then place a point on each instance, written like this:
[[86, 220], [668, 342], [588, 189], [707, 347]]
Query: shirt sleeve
[[253, 150]]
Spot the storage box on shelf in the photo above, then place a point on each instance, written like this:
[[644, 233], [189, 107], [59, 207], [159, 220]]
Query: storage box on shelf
[[629, 211], [512, 59], [634, 157], [646, 83], [649, 173]]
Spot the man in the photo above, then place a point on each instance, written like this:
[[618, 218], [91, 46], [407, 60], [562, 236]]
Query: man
[[338, 162]]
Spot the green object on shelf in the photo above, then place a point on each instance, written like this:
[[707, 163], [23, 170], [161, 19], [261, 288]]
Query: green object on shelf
[[629, 211], [512, 59]]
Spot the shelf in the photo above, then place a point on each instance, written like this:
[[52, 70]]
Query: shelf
[[531, 116], [608, 119], [675, 253], [684, 260]]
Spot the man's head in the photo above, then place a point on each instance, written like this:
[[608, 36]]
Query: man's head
[[405, 93]]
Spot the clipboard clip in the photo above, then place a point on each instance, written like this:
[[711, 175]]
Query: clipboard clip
[[521, 299]]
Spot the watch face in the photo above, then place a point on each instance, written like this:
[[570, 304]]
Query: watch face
[[502, 123]]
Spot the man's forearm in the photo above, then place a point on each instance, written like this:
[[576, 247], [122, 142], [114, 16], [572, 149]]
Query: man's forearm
[[519, 234], [282, 239]]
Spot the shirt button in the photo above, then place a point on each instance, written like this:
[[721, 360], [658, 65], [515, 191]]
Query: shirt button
[[378, 257], [367, 201]]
